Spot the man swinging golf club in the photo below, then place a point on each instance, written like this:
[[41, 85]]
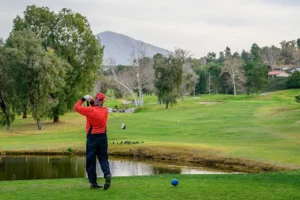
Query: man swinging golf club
[[96, 144]]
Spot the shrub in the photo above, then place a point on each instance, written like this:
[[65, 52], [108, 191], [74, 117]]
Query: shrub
[[278, 83], [294, 80], [297, 98]]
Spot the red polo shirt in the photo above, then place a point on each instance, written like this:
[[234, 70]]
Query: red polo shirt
[[96, 117]]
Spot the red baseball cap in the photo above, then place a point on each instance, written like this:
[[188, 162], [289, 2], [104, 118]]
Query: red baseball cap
[[100, 96]]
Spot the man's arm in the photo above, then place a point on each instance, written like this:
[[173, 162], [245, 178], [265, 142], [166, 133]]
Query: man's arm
[[86, 111]]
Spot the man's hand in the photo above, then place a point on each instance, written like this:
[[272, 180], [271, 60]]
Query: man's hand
[[87, 97]]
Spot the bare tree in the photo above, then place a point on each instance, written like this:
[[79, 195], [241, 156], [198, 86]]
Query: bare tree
[[142, 71], [190, 79], [121, 82], [288, 52], [139, 76], [125, 86], [202, 61], [182, 54], [296, 59], [234, 68], [270, 55]]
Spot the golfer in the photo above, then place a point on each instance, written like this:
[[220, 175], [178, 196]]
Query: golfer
[[96, 143]]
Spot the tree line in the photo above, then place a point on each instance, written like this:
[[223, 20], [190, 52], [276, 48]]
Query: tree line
[[173, 76], [48, 61]]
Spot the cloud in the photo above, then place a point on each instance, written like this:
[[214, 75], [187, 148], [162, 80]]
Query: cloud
[[283, 2], [197, 25]]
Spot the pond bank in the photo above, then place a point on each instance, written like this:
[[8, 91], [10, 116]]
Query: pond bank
[[166, 154]]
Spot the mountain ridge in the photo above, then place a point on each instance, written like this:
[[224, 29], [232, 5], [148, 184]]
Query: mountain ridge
[[118, 47]]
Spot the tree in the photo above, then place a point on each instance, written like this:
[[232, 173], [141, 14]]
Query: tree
[[298, 43], [211, 57], [168, 76], [125, 85], [227, 53], [255, 52], [271, 55], [256, 71], [297, 99], [296, 59], [288, 51], [101, 83], [236, 55], [221, 57], [201, 85], [202, 61], [189, 79], [123, 81], [257, 76], [234, 68], [141, 71], [34, 71], [294, 80], [7, 113], [246, 56], [213, 77], [71, 38]]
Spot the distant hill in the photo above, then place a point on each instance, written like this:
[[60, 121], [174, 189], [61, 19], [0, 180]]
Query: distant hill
[[119, 47]]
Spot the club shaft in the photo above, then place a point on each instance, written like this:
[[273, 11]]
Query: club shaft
[[115, 117]]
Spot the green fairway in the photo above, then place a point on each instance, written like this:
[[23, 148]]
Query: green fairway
[[260, 128], [284, 185]]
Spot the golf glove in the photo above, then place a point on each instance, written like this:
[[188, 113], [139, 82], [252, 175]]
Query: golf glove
[[87, 97]]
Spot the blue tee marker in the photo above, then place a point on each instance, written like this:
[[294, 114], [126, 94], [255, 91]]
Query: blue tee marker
[[174, 182]]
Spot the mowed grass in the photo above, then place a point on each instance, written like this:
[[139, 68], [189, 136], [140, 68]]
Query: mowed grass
[[283, 185], [262, 128]]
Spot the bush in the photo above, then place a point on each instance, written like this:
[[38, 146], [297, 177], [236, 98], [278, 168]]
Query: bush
[[70, 150], [118, 93], [297, 98], [294, 80], [278, 83]]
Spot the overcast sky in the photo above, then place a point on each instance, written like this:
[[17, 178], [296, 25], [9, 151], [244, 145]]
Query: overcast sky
[[200, 26]]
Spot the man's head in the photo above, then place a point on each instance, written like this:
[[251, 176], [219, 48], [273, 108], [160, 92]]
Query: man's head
[[99, 99]]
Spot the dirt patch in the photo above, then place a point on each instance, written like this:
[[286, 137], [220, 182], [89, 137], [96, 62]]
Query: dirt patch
[[279, 110], [210, 102]]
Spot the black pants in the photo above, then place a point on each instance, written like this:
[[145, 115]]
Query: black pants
[[96, 146]]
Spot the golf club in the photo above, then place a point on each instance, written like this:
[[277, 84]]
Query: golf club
[[123, 124]]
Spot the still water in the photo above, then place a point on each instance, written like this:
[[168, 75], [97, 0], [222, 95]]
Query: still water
[[51, 167]]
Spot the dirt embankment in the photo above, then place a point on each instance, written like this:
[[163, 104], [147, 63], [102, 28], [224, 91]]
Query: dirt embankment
[[201, 159], [170, 155]]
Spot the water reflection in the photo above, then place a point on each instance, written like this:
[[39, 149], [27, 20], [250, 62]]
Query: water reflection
[[50, 167]]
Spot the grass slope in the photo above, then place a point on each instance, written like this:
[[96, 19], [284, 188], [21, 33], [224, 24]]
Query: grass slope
[[283, 185], [261, 128]]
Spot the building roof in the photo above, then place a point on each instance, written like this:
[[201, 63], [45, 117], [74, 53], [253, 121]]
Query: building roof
[[276, 72]]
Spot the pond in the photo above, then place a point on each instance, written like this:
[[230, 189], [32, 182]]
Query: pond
[[52, 167]]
